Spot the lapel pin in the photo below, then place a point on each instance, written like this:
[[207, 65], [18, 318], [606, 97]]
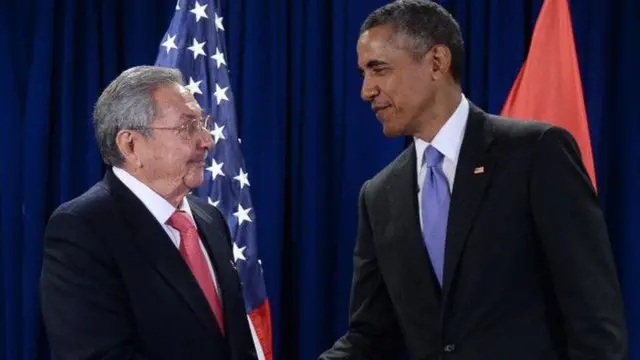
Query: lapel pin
[[478, 170]]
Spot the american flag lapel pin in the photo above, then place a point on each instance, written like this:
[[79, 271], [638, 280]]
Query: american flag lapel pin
[[478, 170]]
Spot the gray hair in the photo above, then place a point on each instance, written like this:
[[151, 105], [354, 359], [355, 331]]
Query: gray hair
[[425, 24], [128, 104]]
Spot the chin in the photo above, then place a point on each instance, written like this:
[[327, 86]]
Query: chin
[[392, 126], [192, 180], [391, 131]]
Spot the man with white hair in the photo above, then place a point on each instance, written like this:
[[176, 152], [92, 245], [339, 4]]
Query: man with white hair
[[135, 268]]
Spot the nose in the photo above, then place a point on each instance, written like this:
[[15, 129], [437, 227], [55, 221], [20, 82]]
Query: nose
[[206, 141], [369, 89]]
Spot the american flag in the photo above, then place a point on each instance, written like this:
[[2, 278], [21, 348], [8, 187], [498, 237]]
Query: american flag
[[195, 44]]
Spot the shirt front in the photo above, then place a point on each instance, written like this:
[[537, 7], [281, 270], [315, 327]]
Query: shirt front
[[162, 210], [448, 141]]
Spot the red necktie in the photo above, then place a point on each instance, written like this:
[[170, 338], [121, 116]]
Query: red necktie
[[192, 253]]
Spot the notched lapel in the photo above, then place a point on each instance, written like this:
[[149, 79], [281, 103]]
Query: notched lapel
[[157, 247], [404, 227], [221, 255], [473, 173]]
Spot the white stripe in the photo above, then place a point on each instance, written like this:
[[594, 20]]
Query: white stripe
[[256, 342]]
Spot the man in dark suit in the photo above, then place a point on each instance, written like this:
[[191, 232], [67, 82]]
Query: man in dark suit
[[135, 268], [484, 238]]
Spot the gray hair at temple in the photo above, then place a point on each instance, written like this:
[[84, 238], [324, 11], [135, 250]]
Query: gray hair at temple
[[419, 25], [128, 104]]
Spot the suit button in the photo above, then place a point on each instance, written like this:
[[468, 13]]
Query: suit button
[[449, 348]]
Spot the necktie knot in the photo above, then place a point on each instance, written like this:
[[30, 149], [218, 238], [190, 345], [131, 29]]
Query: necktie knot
[[180, 220], [432, 157]]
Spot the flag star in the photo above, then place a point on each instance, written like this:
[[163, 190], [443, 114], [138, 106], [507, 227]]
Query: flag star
[[242, 178], [170, 43], [242, 214], [199, 11], [217, 132], [218, 20], [238, 253], [194, 86], [178, 5], [220, 93], [219, 57], [216, 169], [197, 48], [214, 203]]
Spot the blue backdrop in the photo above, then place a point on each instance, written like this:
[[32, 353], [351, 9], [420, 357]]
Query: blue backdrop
[[309, 141]]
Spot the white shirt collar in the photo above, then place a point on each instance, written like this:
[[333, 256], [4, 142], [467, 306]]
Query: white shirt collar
[[449, 139], [159, 207]]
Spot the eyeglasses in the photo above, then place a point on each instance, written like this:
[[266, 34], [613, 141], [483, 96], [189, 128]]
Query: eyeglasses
[[188, 129]]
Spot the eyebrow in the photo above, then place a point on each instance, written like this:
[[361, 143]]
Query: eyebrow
[[203, 113], [371, 64], [188, 116]]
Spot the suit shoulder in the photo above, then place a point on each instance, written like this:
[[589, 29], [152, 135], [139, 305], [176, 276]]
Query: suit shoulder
[[208, 211], [516, 129], [380, 180], [95, 202], [94, 211], [83, 221], [528, 133], [205, 205], [212, 211]]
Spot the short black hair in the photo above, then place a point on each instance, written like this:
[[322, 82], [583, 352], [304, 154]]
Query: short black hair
[[426, 24]]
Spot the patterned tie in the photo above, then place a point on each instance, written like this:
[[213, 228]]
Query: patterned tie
[[192, 253], [435, 208]]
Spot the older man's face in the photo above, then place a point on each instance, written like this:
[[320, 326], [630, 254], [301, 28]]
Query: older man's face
[[174, 159]]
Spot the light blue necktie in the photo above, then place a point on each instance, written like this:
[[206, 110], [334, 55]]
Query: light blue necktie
[[435, 208]]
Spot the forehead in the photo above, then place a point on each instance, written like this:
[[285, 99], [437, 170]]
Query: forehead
[[378, 45], [176, 98]]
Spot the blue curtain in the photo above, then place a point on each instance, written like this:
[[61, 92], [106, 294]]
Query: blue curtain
[[309, 140]]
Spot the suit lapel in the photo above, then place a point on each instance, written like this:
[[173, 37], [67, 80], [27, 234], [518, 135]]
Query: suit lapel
[[402, 192], [220, 252], [218, 244], [157, 247], [472, 176]]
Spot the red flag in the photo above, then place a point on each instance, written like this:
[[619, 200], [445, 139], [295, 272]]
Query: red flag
[[548, 87]]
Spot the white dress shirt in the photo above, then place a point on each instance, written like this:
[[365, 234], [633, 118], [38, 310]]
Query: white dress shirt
[[448, 141], [162, 210]]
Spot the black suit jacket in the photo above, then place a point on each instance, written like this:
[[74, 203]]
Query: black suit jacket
[[114, 286], [529, 273]]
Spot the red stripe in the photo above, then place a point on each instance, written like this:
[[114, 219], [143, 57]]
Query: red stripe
[[261, 319]]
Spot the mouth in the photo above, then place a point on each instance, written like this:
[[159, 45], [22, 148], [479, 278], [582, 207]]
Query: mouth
[[197, 165], [379, 109], [200, 162]]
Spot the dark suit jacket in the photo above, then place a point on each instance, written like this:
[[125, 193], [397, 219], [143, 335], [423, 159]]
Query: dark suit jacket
[[114, 286], [529, 273]]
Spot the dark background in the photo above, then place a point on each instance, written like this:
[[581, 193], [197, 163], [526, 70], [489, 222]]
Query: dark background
[[309, 141]]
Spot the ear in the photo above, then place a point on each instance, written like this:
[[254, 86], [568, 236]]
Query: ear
[[126, 141], [441, 61]]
